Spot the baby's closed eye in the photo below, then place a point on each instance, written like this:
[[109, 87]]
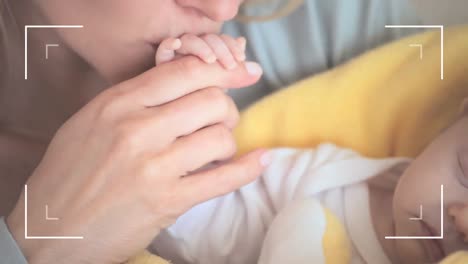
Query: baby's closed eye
[[462, 156]]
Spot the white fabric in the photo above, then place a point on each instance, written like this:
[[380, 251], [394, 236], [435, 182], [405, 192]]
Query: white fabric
[[295, 235], [231, 228]]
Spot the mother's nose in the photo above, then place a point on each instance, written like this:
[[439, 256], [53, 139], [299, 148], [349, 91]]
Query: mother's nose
[[216, 10]]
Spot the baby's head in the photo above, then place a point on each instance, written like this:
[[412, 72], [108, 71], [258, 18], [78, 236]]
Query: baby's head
[[444, 162]]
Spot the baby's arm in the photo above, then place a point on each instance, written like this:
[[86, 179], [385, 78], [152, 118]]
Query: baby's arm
[[209, 48]]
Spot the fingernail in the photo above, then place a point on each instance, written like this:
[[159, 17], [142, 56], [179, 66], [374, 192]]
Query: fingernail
[[241, 57], [211, 58], [253, 68], [242, 42], [177, 43], [231, 65], [266, 158]]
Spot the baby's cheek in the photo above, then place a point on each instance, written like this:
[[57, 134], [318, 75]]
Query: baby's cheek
[[463, 160]]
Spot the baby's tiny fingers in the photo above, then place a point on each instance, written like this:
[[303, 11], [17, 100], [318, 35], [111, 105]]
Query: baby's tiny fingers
[[194, 45], [165, 51], [242, 42], [221, 50], [235, 46]]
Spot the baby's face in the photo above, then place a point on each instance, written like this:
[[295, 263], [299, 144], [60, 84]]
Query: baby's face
[[444, 162]]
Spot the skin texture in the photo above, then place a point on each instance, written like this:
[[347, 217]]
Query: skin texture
[[123, 144], [88, 61], [209, 48], [119, 178], [117, 44], [146, 24], [397, 196]]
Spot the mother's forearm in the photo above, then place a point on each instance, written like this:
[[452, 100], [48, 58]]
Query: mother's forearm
[[19, 155]]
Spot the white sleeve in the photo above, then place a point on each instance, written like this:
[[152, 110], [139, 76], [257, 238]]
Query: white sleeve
[[295, 235], [231, 229], [10, 253]]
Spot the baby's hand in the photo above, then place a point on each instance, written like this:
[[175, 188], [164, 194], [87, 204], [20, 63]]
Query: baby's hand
[[209, 48]]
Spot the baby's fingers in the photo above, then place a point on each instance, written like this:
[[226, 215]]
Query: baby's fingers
[[166, 50], [236, 46], [194, 45], [221, 50]]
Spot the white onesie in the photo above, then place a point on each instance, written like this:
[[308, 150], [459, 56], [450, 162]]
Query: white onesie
[[232, 228]]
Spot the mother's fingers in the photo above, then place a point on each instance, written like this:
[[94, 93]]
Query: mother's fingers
[[200, 187], [191, 152], [197, 110], [156, 128], [177, 78]]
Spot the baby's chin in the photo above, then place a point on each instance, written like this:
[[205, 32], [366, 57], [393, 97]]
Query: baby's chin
[[411, 252], [416, 251], [453, 240]]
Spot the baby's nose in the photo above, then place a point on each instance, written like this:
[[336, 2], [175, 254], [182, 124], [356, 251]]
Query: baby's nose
[[459, 212], [216, 10]]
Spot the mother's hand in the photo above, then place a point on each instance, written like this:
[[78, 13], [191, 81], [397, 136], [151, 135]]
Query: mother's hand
[[114, 172]]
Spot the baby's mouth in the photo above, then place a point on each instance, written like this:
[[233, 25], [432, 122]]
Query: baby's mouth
[[433, 246]]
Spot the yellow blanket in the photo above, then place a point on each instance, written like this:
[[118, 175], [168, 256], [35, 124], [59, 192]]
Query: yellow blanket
[[388, 102]]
